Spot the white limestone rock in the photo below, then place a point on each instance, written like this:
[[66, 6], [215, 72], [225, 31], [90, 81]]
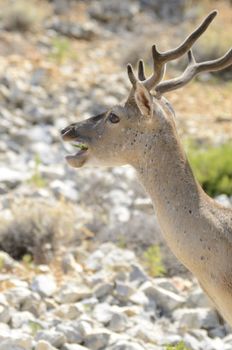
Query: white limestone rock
[[74, 347], [123, 291], [103, 289], [97, 340], [57, 339], [5, 314], [72, 293], [44, 345], [16, 340], [197, 298], [103, 312], [118, 322], [164, 299], [126, 345], [68, 311], [17, 296], [72, 334], [137, 274], [205, 318], [18, 319], [45, 285]]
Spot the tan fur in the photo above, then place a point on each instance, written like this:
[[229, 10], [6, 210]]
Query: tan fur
[[142, 133], [197, 229]]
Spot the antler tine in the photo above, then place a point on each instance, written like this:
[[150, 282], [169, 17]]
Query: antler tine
[[131, 75], [161, 58], [158, 69], [141, 71], [191, 58], [218, 64], [192, 70]]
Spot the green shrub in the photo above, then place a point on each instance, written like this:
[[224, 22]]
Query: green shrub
[[61, 49], [212, 167], [180, 346], [121, 242], [37, 179], [35, 327], [153, 261]]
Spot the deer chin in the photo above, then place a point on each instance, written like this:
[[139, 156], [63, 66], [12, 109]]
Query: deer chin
[[78, 159]]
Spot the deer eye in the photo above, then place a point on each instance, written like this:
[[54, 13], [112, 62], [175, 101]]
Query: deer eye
[[113, 118]]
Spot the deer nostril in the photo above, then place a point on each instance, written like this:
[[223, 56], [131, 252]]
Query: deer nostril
[[63, 131], [68, 133]]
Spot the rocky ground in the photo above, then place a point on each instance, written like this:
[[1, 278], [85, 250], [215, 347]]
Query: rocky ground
[[103, 300], [71, 66]]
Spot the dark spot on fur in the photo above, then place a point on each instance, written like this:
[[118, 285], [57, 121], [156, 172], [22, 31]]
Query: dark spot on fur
[[212, 275], [226, 281]]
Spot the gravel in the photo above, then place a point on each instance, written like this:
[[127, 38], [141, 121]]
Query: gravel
[[99, 298], [113, 313]]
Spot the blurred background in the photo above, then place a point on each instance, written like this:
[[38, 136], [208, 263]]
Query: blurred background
[[65, 60], [62, 61]]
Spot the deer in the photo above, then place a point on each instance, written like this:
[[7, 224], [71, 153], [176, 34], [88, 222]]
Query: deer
[[141, 131]]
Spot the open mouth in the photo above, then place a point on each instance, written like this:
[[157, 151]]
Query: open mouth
[[78, 159], [69, 135]]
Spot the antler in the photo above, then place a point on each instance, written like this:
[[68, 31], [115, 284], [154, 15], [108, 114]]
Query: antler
[[192, 70], [161, 58], [141, 71]]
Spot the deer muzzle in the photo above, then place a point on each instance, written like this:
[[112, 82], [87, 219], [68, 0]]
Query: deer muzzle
[[78, 159]]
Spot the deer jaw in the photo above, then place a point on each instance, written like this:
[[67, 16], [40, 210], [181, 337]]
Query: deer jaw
[[116, 137]]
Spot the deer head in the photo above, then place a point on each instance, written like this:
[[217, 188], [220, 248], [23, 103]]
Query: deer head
[[122, 134]]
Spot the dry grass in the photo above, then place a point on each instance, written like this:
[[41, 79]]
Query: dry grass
[[216, 40], [203, 110], [204, 106], [23, 15], [204, 98], [37, 229]]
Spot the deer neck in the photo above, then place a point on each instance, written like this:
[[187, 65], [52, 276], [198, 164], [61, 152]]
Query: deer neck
[[167, 177]]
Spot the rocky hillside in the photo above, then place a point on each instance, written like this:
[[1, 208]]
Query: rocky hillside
[[62, 288], [103, 300], [64, 61]]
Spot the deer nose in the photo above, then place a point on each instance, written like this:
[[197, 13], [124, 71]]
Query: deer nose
[[69, 132]]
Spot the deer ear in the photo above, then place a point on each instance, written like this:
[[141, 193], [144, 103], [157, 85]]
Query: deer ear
[[143, 100]]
